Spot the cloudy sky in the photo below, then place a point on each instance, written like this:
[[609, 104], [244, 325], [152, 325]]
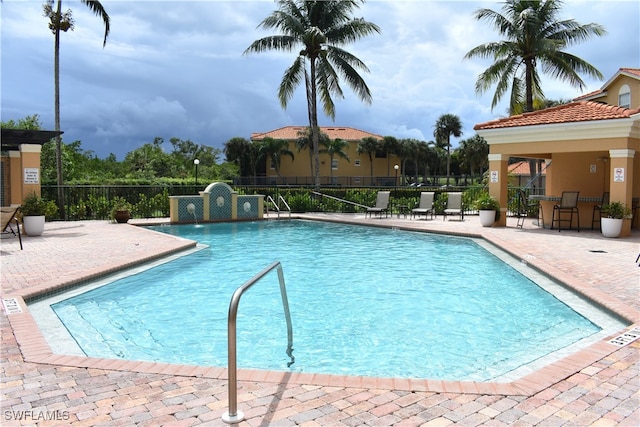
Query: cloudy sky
[[176, 69]]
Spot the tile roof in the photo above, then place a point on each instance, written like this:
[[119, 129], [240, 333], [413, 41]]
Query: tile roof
[[522, 168], [333, 132], [579, 111]]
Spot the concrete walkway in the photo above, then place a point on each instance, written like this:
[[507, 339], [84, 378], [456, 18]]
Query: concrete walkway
[[595, 386]]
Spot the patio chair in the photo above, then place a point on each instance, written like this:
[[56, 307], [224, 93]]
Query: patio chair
[[8, 216], [598, 208], [425, 206], [525, 206], [568, 205], [382, 205], [454, 206]]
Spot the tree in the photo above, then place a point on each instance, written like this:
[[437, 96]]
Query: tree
[[335, 147], [305, 141], [370, 147], [534, 37], [389, 146], [59, 21], [474, 152], [447, 125], [275, 149], [320, 27]]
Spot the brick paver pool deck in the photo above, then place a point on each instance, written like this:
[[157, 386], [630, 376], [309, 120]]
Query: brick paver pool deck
[[597, 386]]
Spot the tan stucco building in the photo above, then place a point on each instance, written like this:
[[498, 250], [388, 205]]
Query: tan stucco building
[[357, 169], [20, 173], [590, 145]]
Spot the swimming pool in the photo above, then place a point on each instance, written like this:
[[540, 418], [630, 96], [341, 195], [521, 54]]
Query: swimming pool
[[364, 301]]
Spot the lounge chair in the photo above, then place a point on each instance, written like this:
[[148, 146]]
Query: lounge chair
[[568, 205], [8, 216], [382, 205], [425, 206], [454, 206]]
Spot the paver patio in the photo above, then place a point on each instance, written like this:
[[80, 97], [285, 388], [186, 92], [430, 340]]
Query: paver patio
[[597, 386]]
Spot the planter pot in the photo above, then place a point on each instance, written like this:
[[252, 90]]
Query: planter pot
[[33, 225], [122, 216], [487, 218], [611, 227]]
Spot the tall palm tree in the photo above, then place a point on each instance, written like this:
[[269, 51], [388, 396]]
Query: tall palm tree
[[335, 147], [447, 125], [59, 21], [320, 28], [534, 36], [275, 149], [369, 146]]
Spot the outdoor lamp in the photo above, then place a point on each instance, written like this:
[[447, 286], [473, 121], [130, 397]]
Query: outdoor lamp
[[396, 167], [196, 162]]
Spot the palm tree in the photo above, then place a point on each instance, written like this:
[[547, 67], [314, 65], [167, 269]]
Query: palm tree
[[305, 141], [275, 149], [59, 21], [474, 152], [447, 125], [238, 150], [370, 147], [335, 147], [319, 27], [534, 37]]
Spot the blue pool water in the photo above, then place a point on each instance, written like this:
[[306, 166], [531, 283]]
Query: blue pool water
[[363, 300]]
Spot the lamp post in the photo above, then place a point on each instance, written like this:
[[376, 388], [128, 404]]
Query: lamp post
[[196, 162], [396, 167]]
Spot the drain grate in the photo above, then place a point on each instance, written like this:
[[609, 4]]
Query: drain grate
[[597, 251]]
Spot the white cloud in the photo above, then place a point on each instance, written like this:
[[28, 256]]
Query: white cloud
[[174, 68]]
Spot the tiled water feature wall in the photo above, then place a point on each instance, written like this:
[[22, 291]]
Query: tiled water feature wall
[[218, 202]]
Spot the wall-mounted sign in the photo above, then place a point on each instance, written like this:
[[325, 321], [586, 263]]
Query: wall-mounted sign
[[494, 176], [618, 175], [31, 176]]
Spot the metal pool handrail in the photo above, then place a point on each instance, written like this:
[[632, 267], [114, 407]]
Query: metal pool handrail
[[276, 205], [234, 416]]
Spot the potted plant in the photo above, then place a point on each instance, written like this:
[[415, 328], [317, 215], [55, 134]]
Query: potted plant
[[34, 210], [120, 210], [488, 208], [611, 217]]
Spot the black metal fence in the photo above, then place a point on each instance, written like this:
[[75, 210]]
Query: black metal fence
[[152, 201]]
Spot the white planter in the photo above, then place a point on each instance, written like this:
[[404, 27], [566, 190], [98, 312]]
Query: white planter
[[33, 225], [611, 227], [487, 218]]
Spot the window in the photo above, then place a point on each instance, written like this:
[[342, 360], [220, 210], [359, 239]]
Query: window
[[624, 96], [273, 165], [334, 164], [357, 162]]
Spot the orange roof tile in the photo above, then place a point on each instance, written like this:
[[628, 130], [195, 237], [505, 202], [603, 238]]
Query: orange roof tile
[[333, 132], [579, 111], [522, 168]]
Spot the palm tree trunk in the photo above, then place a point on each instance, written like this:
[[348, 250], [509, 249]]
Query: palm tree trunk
[[529, 65], [315, 132], [56, 101], [448, 159]]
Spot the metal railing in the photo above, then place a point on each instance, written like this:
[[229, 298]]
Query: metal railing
[[234, 416], [277, 205]]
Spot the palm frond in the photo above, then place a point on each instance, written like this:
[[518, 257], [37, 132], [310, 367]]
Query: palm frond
[[291, 79]]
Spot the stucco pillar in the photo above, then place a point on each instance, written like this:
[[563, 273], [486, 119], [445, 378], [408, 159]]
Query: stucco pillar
[[498, 184], [621, 181], [15, 178], [30, 178]]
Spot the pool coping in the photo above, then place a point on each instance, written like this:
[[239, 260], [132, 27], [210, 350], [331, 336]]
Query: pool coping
[[35, 348]]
